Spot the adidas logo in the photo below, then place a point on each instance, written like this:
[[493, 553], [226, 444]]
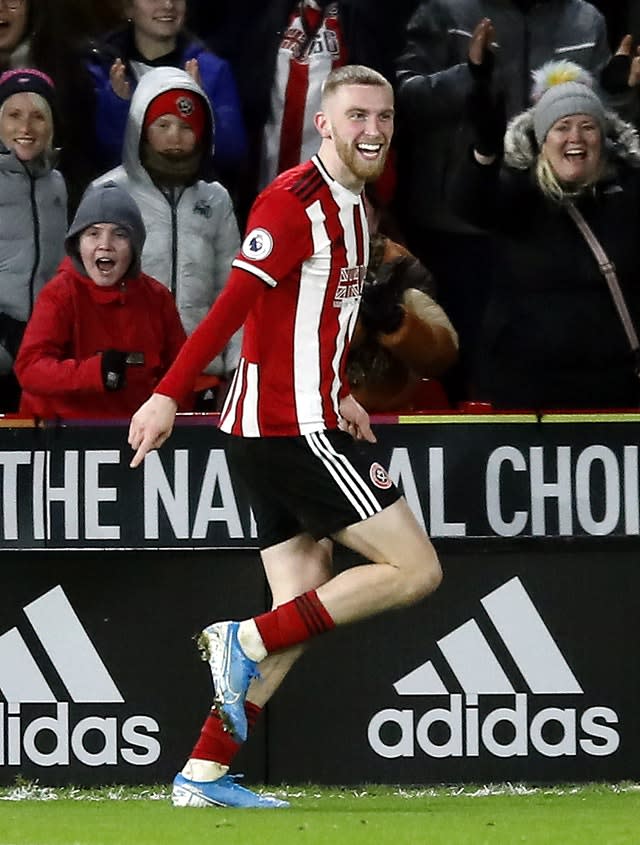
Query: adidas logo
[[50, 740], [468, 728]]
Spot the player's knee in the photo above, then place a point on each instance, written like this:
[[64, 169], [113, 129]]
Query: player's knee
[[424, 578]]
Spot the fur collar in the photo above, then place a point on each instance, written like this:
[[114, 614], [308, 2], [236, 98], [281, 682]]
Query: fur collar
[[622, 142]]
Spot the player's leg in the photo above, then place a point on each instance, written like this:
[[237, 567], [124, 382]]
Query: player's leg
[[292, 567], [404, 566], [339, 490]]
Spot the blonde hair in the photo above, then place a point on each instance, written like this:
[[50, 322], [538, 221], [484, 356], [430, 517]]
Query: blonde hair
[[40, 103], [353, 75]]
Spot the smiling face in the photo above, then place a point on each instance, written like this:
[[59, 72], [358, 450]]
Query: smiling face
[[573, 148], [105, 252], [356, 126], [25, 125], [13, 25], [156, 22]]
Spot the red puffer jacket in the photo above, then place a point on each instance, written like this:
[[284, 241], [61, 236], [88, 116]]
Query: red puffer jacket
[[74, 320]]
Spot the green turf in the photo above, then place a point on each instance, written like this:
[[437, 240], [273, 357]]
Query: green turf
[[491, 815]]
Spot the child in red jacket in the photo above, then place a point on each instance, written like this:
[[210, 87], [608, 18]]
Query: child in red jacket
[[102, 333]]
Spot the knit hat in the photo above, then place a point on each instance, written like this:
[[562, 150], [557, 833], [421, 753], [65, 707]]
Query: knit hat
[[560, 89], [27, 80], [182, 103], [107, 203]]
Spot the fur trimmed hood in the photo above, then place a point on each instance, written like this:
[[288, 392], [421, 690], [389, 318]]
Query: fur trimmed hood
[[622, 142]]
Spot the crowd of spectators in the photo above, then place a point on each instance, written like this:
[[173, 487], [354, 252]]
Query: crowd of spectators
[[191, 108]]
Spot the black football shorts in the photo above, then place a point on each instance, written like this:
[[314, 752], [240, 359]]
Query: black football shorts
[[314, 483]]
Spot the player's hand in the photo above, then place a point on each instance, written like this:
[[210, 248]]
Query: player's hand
[[151, 425], [119, 81], [355, 420]]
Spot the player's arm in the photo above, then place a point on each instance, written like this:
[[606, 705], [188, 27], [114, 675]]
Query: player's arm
[[153, 422], [277, 241]]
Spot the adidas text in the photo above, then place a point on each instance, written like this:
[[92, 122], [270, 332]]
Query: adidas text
[[51, 740], [464, 730]]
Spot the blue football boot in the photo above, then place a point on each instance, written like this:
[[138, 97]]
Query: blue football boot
[[223, 792], [231, 671]]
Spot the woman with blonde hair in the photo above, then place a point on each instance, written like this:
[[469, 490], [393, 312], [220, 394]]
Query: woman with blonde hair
[[33, 210], [554, 334]]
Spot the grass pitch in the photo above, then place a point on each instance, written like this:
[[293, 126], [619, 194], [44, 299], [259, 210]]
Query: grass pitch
[[372, 815]]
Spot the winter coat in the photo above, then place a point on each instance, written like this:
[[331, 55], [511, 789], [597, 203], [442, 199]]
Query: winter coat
[[551, 336], [33, 222], [433, 82], [74, 320], [192, 233], [217, 82]]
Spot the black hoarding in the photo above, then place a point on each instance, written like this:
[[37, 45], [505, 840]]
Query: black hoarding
[[523, 666]]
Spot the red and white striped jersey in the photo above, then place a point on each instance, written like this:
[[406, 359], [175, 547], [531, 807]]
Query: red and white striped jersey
[[308, 52], [308, 242]]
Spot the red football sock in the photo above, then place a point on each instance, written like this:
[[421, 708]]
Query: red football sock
[[217, 744], [294, 622]]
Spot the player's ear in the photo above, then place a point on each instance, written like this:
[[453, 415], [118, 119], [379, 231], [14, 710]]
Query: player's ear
[[322, 124]]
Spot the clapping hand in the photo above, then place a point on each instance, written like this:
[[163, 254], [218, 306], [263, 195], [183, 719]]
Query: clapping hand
[[486, 111], [623, 69], [119, 81], [193, 69], [481, 59]]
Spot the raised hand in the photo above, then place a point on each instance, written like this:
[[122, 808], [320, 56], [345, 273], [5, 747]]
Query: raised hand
[[622, 71], [119, 81], [193, 69], [481, 58]]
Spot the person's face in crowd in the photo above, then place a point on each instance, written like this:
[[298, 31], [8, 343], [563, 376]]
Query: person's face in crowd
[[157, 20], [170, 136], [573, 148], [13, 23], [25, 127], [358, 121], [105, 252]]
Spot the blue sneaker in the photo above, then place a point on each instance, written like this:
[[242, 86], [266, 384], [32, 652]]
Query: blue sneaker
[[231, 671], [223, 792]]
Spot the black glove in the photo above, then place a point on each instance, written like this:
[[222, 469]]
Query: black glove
[[380, 308], [614, 78], [486, 114], [114, 366], [11, 331]]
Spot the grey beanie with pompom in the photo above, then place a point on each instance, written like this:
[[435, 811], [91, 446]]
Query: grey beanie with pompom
[[563, 88]]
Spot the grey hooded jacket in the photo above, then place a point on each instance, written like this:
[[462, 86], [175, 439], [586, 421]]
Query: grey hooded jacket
[[192, 233], [33, 222], [433, 82]]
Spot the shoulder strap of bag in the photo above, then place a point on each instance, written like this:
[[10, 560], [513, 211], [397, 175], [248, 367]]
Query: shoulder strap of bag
[[608, 270]]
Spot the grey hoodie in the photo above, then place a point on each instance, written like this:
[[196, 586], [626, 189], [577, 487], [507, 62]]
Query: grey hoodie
[[192, 233], [107, 203]]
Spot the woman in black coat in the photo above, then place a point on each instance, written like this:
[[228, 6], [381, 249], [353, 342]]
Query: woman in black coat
[[552, 337]]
